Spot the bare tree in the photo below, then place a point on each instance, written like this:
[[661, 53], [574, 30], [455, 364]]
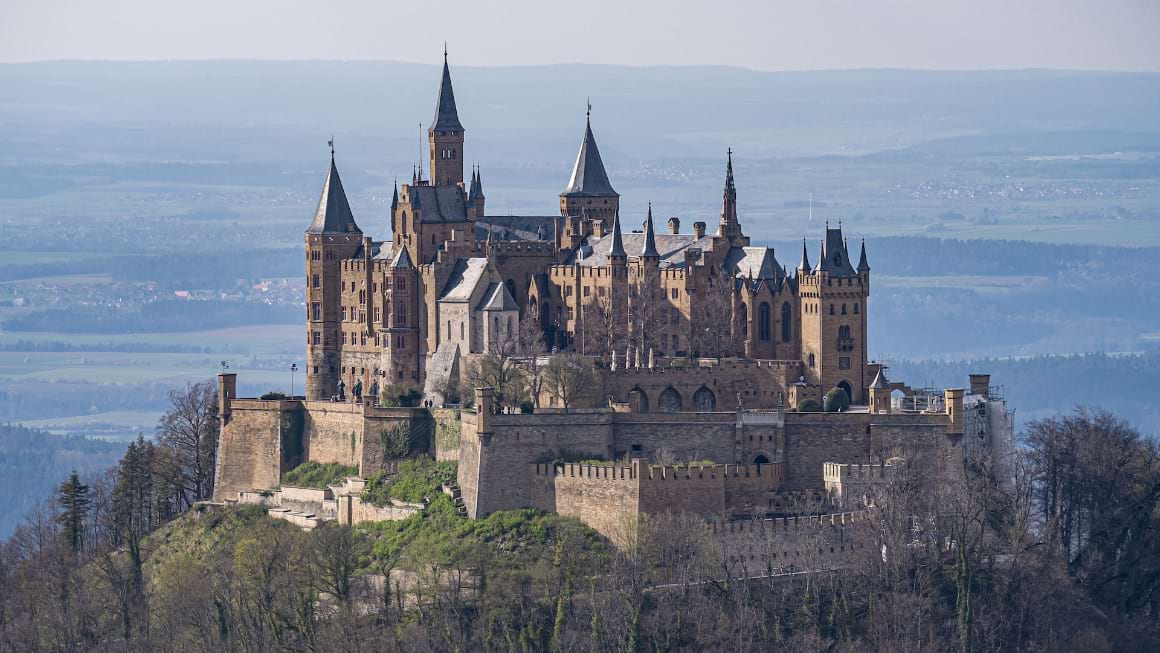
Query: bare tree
[[189, 433], [570, 378], [713, 331], [602, 329], [647, 314]]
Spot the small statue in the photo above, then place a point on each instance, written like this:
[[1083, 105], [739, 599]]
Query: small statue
[[357, 390], [341, 390], [375, 389]]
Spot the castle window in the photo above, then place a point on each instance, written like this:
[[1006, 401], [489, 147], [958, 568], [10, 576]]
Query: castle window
[[855, 308], [600, 291], [844, 363], [744, 311], [317, 340], [314, 281], [316, 311], [376, 314], [675, 317], [673, 293], [843, 309], [764, 320], [811, 361], [461, 336], [363, 339], [786, 323], [587, 290], [570, 313], [400, 283], [568, 291], [401, 314], [831, 309], [344, 314]]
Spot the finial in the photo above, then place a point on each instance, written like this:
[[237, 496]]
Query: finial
[[445, 52], [729, 152], [331, 144], [589, 114]]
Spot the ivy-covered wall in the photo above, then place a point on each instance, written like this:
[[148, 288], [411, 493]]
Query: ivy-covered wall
[[447, 434]]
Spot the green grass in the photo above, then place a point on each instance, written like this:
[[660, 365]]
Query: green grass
[[318, 475], [415, 481]]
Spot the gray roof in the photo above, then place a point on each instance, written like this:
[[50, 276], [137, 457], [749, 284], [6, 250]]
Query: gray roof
[[517, 227], [588, 176], [671, 248], [384, 251], [446, 117], [438, 203], [497, 298], [753, 263], [402, 259], [835, 259], [879, 380], [333, 215], [863, 265], [617, 247], [649, 249], [464, 278]]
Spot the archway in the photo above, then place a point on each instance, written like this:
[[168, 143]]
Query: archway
[[761, 459], [637, 401], [670, 401], [845, 386], [704, 400]]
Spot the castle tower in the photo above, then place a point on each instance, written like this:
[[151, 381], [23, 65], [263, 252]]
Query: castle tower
[[833, 318], [400, 320], [332, 237], [445, 136], [589, 193]]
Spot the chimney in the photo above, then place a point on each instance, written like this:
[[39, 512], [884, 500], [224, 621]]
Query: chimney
[[981, 385], [699, 229], [598, 228], [484, 404], [674, 225], [227, 390], [954, 408]]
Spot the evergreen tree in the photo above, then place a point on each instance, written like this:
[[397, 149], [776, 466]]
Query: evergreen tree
[[73, 498]]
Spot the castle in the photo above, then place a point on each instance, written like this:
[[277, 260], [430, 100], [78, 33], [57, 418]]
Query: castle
[[672, 324]]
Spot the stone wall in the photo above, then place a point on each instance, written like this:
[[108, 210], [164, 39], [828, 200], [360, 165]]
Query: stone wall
[[605, 497], [445, 444], [761, 383], [256, 445], [794, 544]]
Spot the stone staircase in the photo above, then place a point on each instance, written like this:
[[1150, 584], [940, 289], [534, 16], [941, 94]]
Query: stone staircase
[[452, 490]]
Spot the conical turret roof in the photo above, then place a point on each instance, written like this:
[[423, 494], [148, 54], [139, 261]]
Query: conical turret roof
[[650, 242], [863, 265], [617, 241], [805, 264], [446, 116], [589, 178], [333, 214]]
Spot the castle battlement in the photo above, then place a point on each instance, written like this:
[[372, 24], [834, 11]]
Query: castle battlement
[[862, 472], [764, 526]]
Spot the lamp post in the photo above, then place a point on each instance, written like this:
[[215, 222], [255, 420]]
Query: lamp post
[[293, 369]]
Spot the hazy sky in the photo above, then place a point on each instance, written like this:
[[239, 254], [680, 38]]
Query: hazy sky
[[771, 35]]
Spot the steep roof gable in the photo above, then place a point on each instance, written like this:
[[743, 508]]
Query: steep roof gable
[[333, 214]]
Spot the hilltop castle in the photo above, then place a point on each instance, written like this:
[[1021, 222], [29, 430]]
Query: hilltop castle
[[455, 281], [672, 324]]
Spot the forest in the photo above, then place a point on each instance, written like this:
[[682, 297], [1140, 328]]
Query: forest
[[1063, 555]]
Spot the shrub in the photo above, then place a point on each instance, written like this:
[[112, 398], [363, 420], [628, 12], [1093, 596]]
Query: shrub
[[318, 475], [269, 396], [402, 395], [836, 400], [416, 480], [809, 406]]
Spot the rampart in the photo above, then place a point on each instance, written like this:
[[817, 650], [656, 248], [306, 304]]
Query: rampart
[[761, 546], [262, 439]]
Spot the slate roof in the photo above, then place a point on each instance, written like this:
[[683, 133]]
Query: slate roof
[[517, 227], [497, 298], [593, 252], [333, 215], [588, 176], [834, 258], [753, 263], [402, 259], [438, 203], [446, 116], [649, 249], [383, 251], [464, 278]]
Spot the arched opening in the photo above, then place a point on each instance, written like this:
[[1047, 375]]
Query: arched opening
[[764, 319], [845, 386], [670, 401], [786, 323], [704, 400], [761, 459], [637, 401]]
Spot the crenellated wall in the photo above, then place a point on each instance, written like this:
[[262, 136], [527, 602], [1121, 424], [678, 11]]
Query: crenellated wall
[[759, 546]]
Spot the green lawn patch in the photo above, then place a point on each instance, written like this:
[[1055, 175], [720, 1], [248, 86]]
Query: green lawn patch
[[318, 475]]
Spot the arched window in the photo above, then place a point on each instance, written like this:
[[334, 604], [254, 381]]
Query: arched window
[[637, 401], [843, 309], [812, 361], [831, 309], [743, 313], [786, 324], [764, 318], [855, 308], [704, 400], [670, 401], [510, 328]]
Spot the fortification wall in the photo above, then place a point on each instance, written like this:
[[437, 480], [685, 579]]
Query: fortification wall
[[761, 383], [493, 470], [333, 432], [791, 544], [445, 444], [605, 497], [689, 436], [813, 439], [251, 451]]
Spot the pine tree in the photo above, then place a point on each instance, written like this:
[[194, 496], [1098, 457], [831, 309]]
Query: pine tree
[[73, 498]]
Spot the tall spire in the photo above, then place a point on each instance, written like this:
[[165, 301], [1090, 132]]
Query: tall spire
[[395, 199], [729, 196], [588, 175], [863, 265], [617, 250], [650, 244], [446, 116], [804, 266], [333, 214]]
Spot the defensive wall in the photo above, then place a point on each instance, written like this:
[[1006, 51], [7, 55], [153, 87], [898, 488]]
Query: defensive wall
[[760, 383], [761, 546], [262, 439]]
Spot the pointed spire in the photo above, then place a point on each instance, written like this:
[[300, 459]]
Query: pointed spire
[[333, 214], [804, 266], [589, 179], [822, 262], [650, 245], [863, 265], [446, 116], [395, 199], [479, 182], [617, 249], [729, 187], [471, 192]]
